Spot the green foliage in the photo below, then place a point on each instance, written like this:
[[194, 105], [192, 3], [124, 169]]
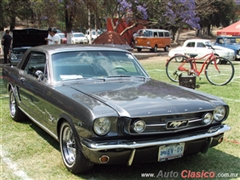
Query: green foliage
[[73, 14]]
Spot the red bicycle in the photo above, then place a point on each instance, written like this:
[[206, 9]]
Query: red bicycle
[[218, 71]]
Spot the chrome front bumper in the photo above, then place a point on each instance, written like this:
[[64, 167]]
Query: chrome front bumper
[[129, 151], [98, 146]]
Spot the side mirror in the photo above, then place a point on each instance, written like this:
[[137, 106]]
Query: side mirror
[[39, 74]]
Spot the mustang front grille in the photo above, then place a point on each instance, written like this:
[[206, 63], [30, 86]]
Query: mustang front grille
[[168, 124]]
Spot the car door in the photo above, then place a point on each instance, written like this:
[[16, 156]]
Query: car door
[[202, 50], [190, 48], [31, 89]]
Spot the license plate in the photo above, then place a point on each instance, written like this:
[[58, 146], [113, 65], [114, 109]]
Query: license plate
[[171, 151]]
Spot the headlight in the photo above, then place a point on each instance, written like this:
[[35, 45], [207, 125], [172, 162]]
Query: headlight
[[207, 118], [102, 126], [219, 113], [13, 56], [139, 126]]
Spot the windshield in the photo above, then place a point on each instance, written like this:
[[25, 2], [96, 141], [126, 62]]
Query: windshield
[[61, 35], [95, 64], [78, 35]]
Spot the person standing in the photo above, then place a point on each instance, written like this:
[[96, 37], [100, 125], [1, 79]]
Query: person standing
[[55, 37], [6, 42], [49, 38]]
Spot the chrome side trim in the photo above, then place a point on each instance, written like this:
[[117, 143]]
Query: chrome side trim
[[40, 125], [98, 146]]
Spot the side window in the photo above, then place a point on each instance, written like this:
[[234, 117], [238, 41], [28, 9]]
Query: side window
[[191, 44], [200, 44], [237, 40], [167, 34], [220, 41], [232, 40], [36, 61], [160, 34], [147, 33], [155, 34]]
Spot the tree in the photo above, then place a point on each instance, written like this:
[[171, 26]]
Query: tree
[[215, 13], [12, 9], [219, 13], [176, 14]]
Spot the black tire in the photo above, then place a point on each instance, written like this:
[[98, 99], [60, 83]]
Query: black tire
[[166, 49], [72, 156], [172, 67], [15, 113], [154, 49], [179, 58], [220, 73], [139, 49]]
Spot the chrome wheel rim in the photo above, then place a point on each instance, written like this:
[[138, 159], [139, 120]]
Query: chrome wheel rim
[[68, 145], [12, 105]]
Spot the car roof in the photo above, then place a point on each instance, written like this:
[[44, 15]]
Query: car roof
[[198, 40]]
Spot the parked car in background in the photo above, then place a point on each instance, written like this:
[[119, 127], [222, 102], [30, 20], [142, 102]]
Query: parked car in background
[[79, 38], [104, 108], [152, 39], [94, 35], [231, 42], [23, 39], [63, 38], [201, 48]]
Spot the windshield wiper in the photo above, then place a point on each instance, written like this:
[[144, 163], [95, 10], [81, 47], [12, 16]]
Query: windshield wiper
[[118, 76], [126, 76]]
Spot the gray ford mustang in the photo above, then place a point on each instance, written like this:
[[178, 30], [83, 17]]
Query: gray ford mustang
[[103, 107]]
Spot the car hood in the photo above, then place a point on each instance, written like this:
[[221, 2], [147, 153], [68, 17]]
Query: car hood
[[151, 97], [220, 48], [29, 37]]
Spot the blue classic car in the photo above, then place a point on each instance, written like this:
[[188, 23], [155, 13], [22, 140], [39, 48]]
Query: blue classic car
[[231, 42], [104, 108]]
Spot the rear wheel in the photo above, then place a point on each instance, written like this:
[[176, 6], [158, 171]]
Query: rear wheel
[[175, 68], [219, 72], [72, 156], [15, 113]]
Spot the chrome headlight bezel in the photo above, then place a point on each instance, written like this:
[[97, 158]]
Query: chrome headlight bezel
[[139, 126], [219, 113], [207, 118], [102, 126]]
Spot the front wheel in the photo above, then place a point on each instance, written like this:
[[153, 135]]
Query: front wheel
[[166, 49], [72, 156], [219, 71], [175, 68], [154, 49]]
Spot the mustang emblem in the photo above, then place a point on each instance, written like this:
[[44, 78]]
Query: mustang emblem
[[176, 124]]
